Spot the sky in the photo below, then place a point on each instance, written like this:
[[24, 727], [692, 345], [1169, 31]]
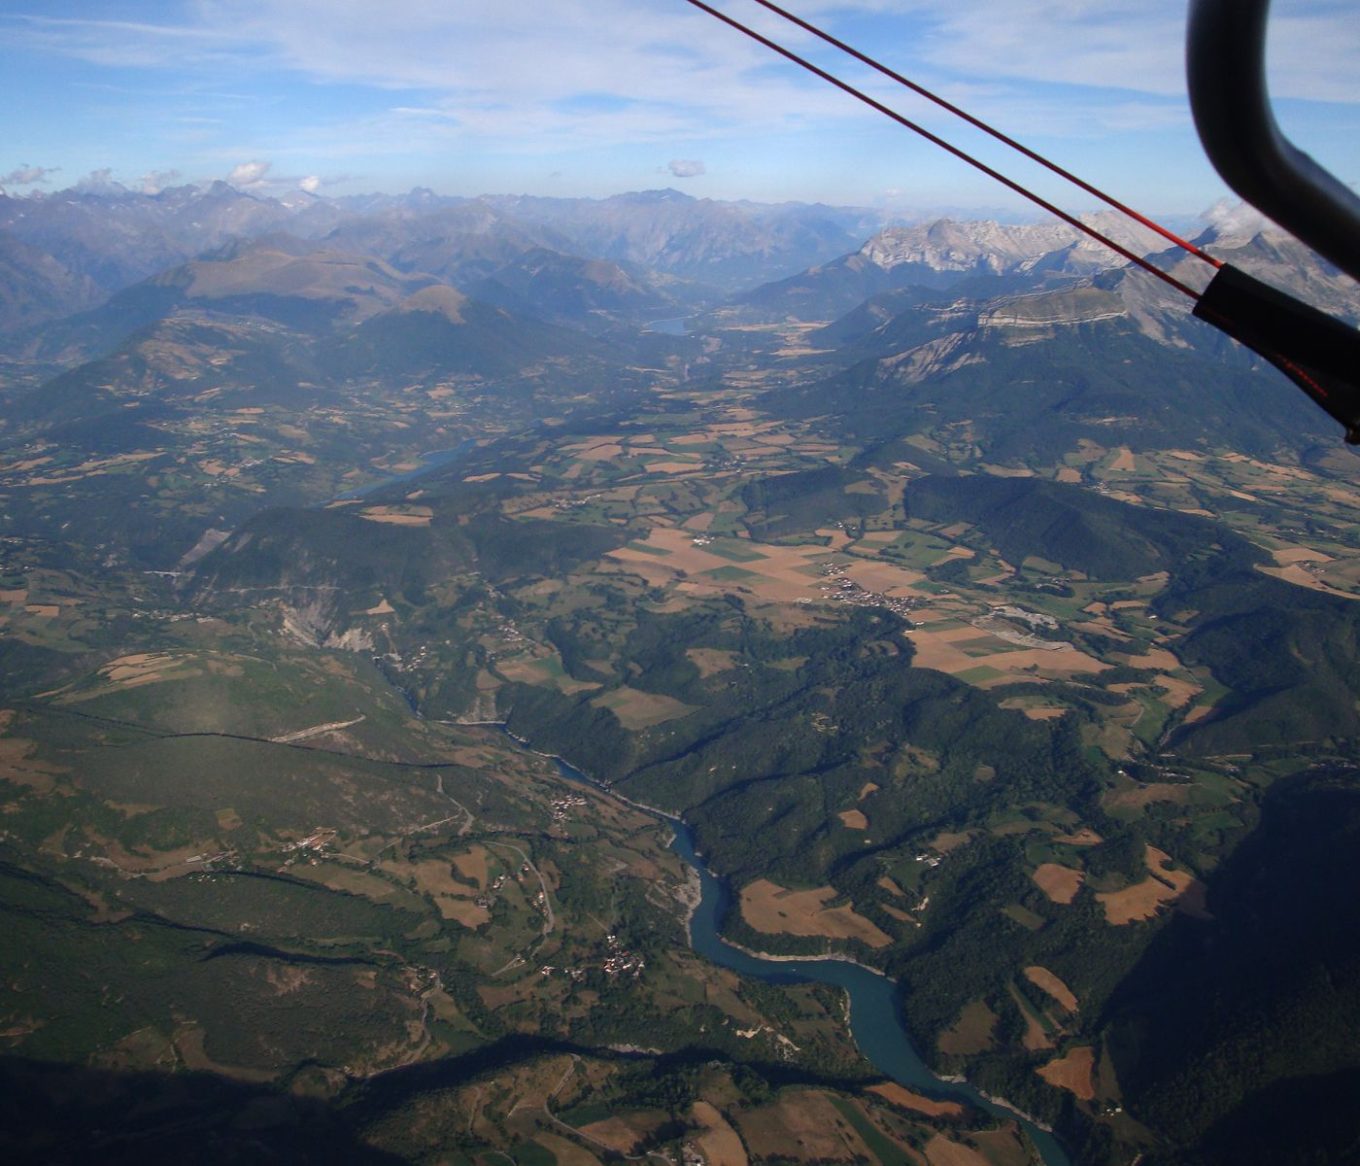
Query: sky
[[587, 98]]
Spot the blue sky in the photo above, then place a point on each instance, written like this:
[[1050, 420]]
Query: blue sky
[[593, 97]]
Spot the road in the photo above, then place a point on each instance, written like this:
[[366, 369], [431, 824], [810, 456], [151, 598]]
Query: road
[[549, 920]]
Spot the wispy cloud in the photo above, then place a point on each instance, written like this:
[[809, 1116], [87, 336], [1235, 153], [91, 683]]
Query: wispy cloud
[[27, 175], [488, 55], [317, 84], [1134, 45], [686, 167], [122, 43]]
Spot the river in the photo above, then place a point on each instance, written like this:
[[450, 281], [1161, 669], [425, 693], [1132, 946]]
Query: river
[[428, 461], [676, 327], [876, 1021]]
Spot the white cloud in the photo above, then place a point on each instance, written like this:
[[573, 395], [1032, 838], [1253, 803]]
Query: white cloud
[[157, 180], [27, 175], [686, 167], [248, 174], [97, 181], [1231, 218]]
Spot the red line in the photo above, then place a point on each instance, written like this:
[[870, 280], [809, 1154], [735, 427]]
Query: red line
[[935, 139], [978, 123]]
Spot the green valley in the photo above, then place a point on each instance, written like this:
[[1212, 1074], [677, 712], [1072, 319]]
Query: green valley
[[1032, 687]]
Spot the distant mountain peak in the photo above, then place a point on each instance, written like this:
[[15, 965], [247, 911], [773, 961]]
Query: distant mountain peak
[[669, 194], [951, 245]]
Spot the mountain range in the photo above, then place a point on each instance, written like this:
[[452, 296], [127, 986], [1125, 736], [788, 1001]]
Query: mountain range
[[640, 252]]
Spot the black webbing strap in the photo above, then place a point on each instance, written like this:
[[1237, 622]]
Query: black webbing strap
[[1319, 354]]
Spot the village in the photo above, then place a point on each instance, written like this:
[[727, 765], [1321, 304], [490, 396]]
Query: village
[[839, 586], [619, 962]]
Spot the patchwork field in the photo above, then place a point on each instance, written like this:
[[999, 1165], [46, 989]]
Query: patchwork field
[[1074, 1072], [701, 563], [712, 661], [542, 670], [1161, 888], [622, 1134], [1046, 980], [1059, 883], [973, 1032], [719, 1143], [943, 1151], [642, 710], [803, 1125], [398, 515], [898, 1095], [961, 649], [773, 909]]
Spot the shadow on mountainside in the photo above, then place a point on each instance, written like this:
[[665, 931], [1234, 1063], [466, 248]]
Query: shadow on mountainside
[[1235, 1037], [56, 1114]]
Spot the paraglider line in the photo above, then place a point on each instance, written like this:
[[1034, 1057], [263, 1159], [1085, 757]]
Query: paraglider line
[[948, 147], [978, 123]]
